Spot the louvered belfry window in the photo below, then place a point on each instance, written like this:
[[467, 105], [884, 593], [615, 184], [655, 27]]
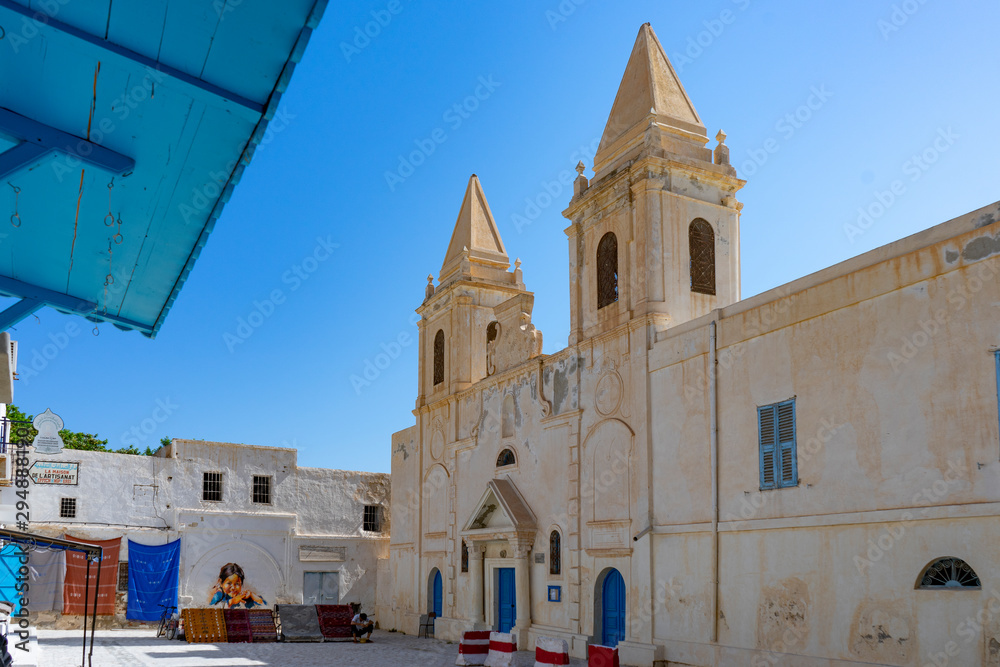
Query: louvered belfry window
[[439, 357], [778, 459], [607, 270], [701, 245]]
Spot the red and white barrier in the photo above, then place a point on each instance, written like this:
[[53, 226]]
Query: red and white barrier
[[502, 647], [474, 648], [550, 651], [602, 656]]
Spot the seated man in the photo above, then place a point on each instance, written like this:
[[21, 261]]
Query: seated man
[[360, 625]]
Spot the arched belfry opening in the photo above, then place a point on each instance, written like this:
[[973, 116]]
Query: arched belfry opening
[[607, 270]]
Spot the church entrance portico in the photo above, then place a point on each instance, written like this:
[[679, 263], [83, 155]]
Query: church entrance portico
[[501, 532]]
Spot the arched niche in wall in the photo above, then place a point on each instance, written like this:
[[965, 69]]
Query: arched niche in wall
[[610, 443]]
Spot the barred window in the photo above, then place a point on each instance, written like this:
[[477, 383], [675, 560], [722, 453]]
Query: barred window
[[261, 489], [123, 576], [607, 270], [67, 508], [211, 486], [465, 557], [701, 246], [372, 519], [439, 357], [555, 553], [949, 573]]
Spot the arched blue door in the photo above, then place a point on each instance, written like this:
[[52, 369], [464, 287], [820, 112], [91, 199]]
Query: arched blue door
[[613, 602], [437, 593]]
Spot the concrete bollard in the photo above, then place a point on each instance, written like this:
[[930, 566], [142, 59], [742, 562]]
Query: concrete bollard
[[502, 647], [602, 656], [474, 648], [550, 651]]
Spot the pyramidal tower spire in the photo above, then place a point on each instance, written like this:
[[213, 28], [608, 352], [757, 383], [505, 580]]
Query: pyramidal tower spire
[[651, 97], [476, 248]]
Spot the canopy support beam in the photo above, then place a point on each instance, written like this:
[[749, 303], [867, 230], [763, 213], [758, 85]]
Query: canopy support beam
[[20, 157], [38, 136]]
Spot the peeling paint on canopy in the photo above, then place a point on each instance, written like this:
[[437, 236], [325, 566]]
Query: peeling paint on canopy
[[168, 99]]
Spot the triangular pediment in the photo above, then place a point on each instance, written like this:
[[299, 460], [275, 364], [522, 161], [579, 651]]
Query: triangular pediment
[[502, 509], [649, 87]]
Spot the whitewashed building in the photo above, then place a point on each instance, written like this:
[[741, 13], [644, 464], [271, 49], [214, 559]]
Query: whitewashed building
[[810, 476], [300, 534]]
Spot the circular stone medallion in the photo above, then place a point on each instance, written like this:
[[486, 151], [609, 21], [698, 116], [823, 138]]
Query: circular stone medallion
[[609, 394]]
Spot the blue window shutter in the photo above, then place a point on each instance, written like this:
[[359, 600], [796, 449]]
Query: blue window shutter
[[997, 355], [787, 464], [767, 435]]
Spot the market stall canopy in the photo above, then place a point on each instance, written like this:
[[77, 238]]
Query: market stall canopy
[[124, 128]]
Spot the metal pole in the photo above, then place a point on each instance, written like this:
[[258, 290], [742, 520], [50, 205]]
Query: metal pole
[[86, 599], [97, 596]]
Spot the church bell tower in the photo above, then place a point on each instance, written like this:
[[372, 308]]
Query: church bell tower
[[656, 231]]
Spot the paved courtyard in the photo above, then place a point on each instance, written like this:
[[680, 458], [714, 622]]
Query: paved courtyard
[[63, 648]]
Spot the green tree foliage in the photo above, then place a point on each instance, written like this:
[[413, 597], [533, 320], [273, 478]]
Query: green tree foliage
[[71, 439]]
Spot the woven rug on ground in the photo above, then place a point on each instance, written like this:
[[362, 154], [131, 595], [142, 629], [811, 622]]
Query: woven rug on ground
[[335, 620], [204, 626], [262, 628], [237, 625], [299, 622]]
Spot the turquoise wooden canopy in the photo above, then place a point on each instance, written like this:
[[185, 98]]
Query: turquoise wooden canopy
[[124, 127]]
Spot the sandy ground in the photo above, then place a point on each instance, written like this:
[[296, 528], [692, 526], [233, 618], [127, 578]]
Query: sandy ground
[[113, 648]]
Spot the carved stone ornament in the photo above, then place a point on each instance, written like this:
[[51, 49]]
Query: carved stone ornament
[[609, 393]]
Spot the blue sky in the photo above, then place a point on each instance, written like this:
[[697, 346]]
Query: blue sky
[[885, 108]]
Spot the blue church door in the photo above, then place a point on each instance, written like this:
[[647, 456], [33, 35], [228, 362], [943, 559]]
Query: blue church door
[[437, 594], [613, 601], [506, 601]]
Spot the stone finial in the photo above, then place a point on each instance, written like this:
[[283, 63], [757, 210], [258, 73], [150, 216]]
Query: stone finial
[[581, 183], [517, 271], [722, 150], [429, 290]]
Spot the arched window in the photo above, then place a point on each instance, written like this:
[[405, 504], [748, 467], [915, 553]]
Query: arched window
[[492, 333], [465, 557], [949, 573], [439, 357], [506, 458], [555, 553], [701, 247], [607, 270], [507, 425]]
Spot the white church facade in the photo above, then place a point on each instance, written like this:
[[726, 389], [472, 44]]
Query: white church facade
[[810, 476]]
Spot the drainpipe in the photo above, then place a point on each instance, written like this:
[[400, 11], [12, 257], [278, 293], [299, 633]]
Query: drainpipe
[[713, 418]]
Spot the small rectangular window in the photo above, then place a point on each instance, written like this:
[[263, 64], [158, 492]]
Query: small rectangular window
[[373, 519], [123, 576], [261, 489], [67, 508], [211, 487], [776, 435]]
